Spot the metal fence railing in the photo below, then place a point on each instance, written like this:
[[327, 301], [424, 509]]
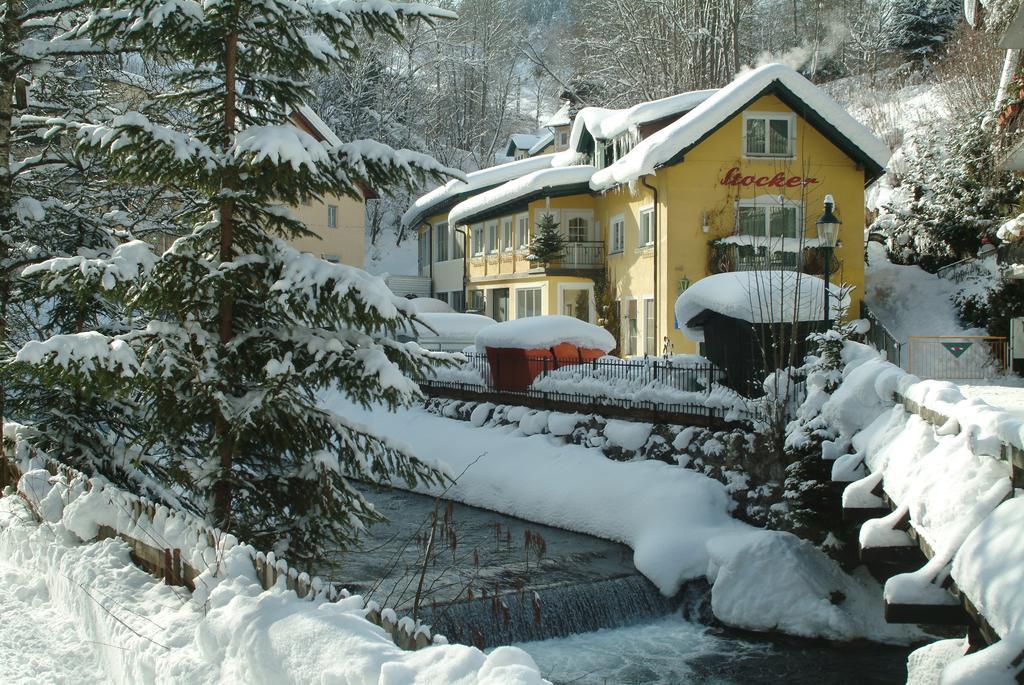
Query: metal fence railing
[[879, 337], [648, 384], [957, 357], [958, 272]]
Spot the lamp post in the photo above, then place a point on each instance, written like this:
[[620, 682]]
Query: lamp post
[[828, 235]]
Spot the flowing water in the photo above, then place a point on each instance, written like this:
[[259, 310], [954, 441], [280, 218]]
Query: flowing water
[[574, 602]]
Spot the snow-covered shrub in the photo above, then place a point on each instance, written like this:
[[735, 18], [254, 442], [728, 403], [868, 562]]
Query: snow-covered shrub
[[950, 195]]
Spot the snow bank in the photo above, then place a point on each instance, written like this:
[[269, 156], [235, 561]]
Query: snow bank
[[429, 305], [543, 332], [451, 326], [542, 180], [720, 106], [147, 632], [952, 483], [757, 297], [474, 182], [676, 520]]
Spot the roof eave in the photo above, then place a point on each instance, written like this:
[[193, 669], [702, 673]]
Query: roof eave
[[525, 200], [872, 170]]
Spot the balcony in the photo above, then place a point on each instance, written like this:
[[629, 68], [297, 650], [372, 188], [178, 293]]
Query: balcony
[[723, 257], [582, 255]]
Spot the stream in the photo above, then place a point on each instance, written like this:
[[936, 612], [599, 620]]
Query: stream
[[574, 602]]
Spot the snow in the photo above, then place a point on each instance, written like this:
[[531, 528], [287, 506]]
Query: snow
[[451, 326], [283, 144], [74, 600], [320, 125], [84, 351], [543, 332], [523, 141], [39, 643], [423, 305], [126, 262], [676, 521], [542, 142], [909, 300], [661, 146], [605, 124], [1006, 394], [925, 664], [473, 182], [559, 118], [536, 181], [630, 435], [757, 297]]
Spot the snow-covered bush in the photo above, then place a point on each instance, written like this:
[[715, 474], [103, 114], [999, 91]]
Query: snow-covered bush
[[950, 195]]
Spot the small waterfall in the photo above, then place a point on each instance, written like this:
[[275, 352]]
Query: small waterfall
[[560, 610]]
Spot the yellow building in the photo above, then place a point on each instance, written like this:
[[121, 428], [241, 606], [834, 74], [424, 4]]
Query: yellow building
[[338, 222], [662, 194]]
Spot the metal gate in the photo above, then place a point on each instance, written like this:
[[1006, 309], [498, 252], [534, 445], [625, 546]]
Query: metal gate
[[958, 357]]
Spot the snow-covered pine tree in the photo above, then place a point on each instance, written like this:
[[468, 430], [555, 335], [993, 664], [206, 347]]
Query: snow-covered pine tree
[[548, 245], [55, 203], [918, 28], [243, 331]]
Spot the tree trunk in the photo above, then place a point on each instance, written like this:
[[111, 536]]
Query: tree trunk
[[222, 489], [9, 38]]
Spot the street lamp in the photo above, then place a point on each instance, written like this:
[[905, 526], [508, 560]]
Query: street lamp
[[828, 235]]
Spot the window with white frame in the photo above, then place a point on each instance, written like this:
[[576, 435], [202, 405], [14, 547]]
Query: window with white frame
[[332, 216], [646, 226], [650, 342], [523, 230], [578, 229], [478, 240], [492, 237], [617, 235], [424, 249], [528, 302], [769, 134], [441, 232], [506, 234], [769, 219]]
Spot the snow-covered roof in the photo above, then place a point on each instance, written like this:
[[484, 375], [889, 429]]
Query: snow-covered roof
[[542, 142], [757, 297], [319, 125], [477, 180], [559, 118], [824, 113], [542, 181], [608, 123], [520, 141], [542, 332], [423, 305], [451, 326]]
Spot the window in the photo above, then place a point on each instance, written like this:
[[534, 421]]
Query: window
[[332, 216], [506, 234], [492, 238], [578, 229], [477, 303], [774, 222], [332, 258], [441, 232], [523, 230], [764, 219], [617, 241], [564, 137], [424, 249], [457, 299], [646, 227], [630, 330], [769, 134], [650, 343], [478, 240], [441, 296], [458, 246], [527, 302]]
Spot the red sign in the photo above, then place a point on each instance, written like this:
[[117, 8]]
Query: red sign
[[736, 178]]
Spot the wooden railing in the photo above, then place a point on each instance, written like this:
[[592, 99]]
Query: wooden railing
[[168, 564]]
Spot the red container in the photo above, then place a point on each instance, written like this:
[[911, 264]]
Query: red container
[[513, 369]]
